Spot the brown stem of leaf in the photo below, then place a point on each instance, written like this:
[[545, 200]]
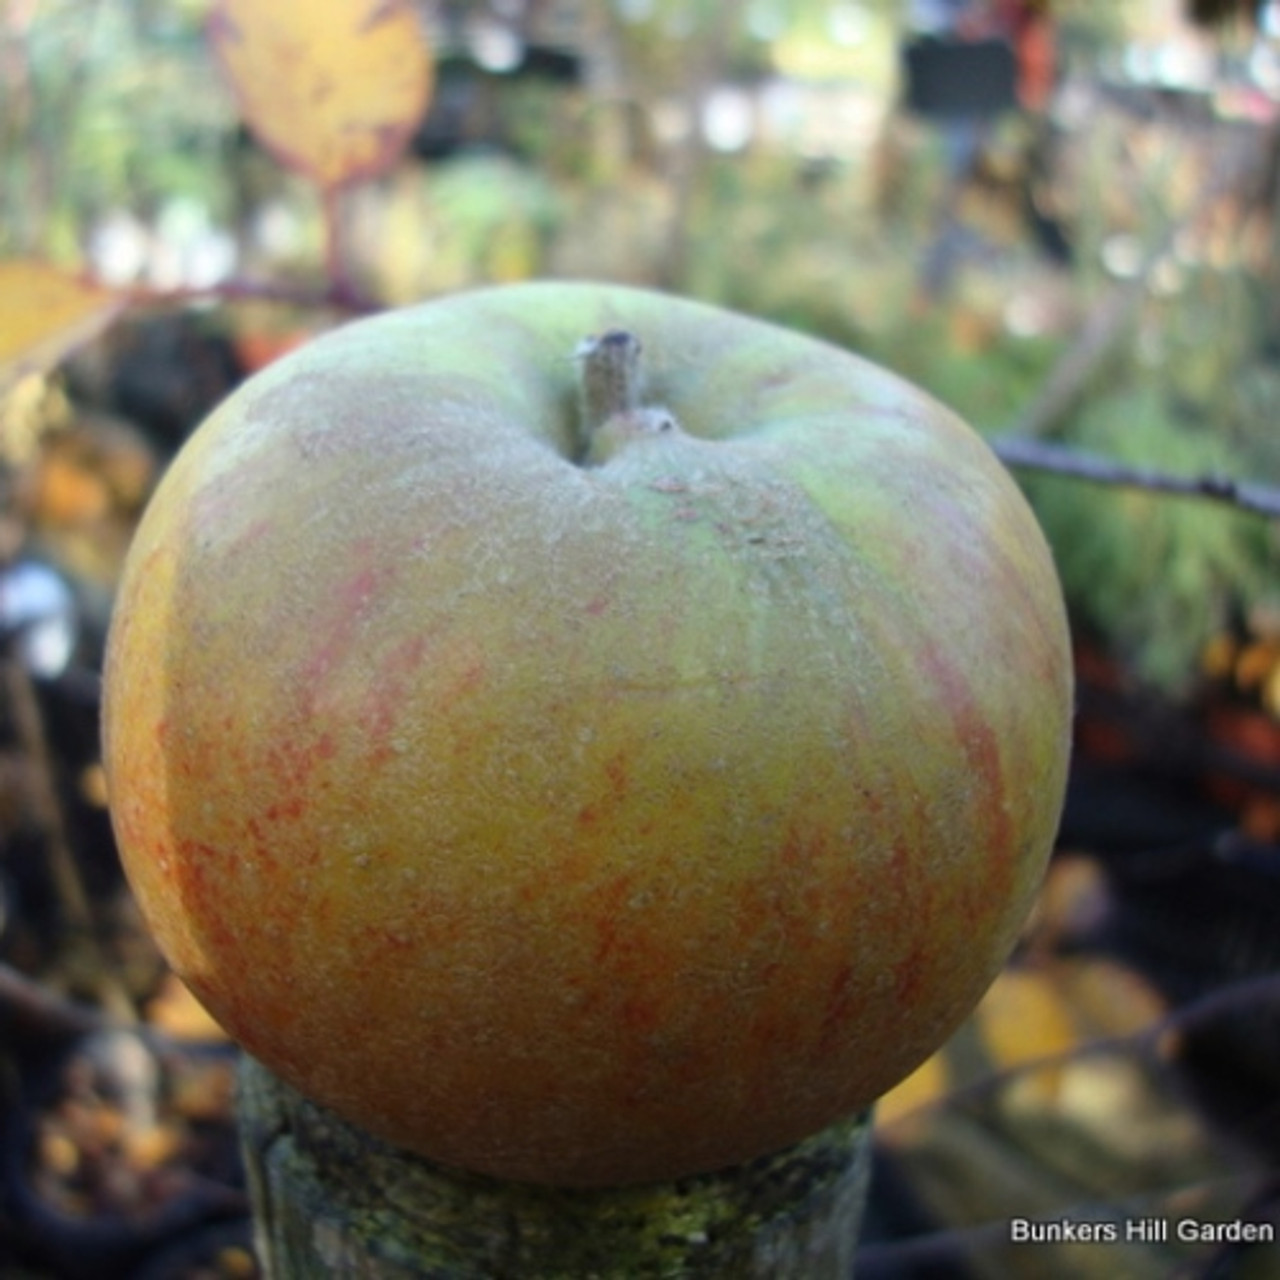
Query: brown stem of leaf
[[343, 291]]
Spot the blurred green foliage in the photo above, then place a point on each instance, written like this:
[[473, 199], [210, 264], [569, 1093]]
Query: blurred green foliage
[[1157, 577], [108, 106]]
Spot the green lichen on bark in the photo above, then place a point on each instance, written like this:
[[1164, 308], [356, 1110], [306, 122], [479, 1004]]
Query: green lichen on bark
[[331, 1200]]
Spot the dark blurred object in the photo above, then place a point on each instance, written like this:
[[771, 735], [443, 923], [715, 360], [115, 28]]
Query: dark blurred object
[[977, 59], [136, 1185], [1214, 13], [1194, 896], [1048, 233], [901, 1238], [1198, 920], [466, 108], [219, 1249], [163, 373], [948, 77]]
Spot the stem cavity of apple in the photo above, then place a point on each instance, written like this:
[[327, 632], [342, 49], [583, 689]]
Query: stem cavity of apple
[[609, 384]]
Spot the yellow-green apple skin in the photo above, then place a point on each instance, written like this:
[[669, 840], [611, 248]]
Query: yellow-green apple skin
[[586, 824]]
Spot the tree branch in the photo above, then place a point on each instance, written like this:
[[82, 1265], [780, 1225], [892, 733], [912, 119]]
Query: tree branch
[[343, 298], [1038, 455], [1249, 993]]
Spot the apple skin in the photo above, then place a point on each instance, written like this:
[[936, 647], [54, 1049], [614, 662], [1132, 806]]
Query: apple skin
[[586, 825]]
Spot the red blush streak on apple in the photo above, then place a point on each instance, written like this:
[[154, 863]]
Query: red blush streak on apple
[[973, 904], [222, 938], [914, 889], [908, 980], [467, 683], [215, 507], [203, 867], [294, 766], [640, 1015], [387, 696], [254, 533], [385, 941], [619, 780], [979, 744], [798, 896], [611, 899], [793, 851], [288, 810], [354, 600], [840, 1008]]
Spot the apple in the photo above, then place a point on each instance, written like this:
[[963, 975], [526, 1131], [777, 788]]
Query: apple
[[586, 763]]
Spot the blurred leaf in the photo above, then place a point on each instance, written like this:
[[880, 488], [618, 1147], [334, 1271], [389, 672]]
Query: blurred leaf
[[334, 88], [1022, 1018], [1110, 998], [927, 1084], [176, 1012], [45, 314]]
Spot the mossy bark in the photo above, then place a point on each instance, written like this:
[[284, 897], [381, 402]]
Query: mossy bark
[[330, 1200]]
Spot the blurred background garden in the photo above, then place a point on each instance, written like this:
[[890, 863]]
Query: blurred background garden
[[1060, 217]]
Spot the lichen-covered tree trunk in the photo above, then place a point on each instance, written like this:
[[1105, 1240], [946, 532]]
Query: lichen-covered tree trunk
[[330, 1200]]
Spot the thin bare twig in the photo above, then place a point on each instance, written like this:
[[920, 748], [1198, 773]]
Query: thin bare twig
[[345, 298], [1025, 445], [1244, 994], [1039, 455], [37, 1010]]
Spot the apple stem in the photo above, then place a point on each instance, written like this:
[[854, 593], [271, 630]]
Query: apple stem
[[609, 383], [608, 378]]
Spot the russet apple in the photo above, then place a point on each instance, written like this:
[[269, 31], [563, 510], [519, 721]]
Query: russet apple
[[586, 762]]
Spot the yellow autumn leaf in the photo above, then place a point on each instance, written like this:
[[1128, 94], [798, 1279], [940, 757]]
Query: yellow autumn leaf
[[926, 1085], [176, 1012], [1110, 998], [45, 314], [1022, 1018], [332, 88]]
